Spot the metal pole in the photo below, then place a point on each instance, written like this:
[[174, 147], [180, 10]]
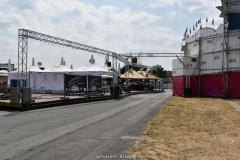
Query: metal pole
[[223, 11], [87, 84], [199, 67], [64, 86], [26, 58], [28, 79], [113, 73], [116, 77], [226, 42], [155, 85], [21, 84], [18, 57], [159, 85], [128, 78]]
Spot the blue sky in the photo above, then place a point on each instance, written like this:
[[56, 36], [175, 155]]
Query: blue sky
[[121, 26]]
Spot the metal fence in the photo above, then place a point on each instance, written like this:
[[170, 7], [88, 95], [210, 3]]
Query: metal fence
[[3, 87], [167, 85]]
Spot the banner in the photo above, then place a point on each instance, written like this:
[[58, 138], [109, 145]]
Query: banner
[[94, 84], [75, 84]]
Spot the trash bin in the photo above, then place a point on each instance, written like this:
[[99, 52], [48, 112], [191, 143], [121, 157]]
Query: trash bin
[[111, 90], [187, 91]]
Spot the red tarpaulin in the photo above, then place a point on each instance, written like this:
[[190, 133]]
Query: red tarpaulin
[[211, 85], [179, 83], [234, 85]]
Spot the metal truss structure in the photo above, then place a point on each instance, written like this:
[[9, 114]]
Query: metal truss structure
[[24, 34], [225, 42], [188, 73], [228, 7], [22, 57], [151, 54]]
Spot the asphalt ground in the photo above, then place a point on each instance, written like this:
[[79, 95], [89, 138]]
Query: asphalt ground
[[97, 130]]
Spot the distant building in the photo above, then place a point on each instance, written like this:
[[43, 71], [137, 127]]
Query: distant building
[[4, 66]]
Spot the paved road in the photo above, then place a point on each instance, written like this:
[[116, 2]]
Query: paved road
[[101, 130]]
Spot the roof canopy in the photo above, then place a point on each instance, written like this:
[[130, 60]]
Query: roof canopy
[[57, 68], [33, 68], [148, 75], [88, 69], [29, 68], [132, 75], [138, 75], [91, 67]]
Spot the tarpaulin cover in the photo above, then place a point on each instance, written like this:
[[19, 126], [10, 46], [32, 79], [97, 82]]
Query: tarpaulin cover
[[179, 83], [94, 84], [234, 85], [212, 85], [75, 84]]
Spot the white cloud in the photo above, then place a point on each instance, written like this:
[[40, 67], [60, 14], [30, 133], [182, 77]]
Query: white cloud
[[105, 27], [171, 14], [202, 6], [205, 7], [153, 3]]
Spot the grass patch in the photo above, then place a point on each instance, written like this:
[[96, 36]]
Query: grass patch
[[192, 128], [237, 101]]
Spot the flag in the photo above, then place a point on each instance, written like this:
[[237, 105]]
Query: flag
[[185, 32], [193, 28], [213, 21], [190, 30], [199, 21], [206, 19]]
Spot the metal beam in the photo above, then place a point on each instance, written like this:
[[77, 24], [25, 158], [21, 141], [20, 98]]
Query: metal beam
[[151, 54], [66, 43]]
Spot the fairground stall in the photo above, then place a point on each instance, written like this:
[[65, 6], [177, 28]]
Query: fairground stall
[[211, 62]]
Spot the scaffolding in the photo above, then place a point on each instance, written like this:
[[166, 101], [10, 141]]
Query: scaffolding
[[24, 35]]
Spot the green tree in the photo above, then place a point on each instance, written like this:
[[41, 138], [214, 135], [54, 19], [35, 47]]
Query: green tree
[[134, 59], [159, 71], [136, 68]]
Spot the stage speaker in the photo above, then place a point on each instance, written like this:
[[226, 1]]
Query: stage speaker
[[109, 64]]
